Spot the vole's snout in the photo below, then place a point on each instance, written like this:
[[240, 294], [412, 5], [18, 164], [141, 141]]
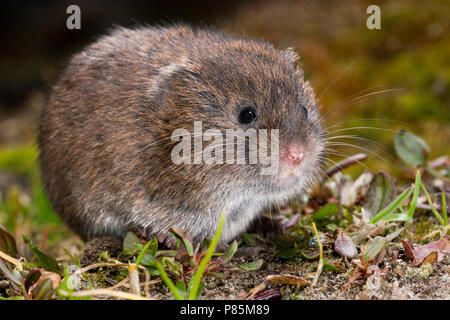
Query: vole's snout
[[294, 154]]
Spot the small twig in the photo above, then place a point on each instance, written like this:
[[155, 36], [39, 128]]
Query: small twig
[[319, 268], [120, 284], [147, 283], [99, 265], [438, 162], [344, 164], [105, 264], [117, 263]]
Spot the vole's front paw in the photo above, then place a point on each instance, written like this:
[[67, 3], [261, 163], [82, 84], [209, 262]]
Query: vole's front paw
[[166, 242]]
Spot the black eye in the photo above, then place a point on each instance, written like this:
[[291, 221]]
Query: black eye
[[247, 115], [304, 111]]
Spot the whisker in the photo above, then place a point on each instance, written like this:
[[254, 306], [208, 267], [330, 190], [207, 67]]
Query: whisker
[[380, 147], [364, 119], [359, 128], [347, 156], [358, 99], [344, 144], [334, 80]]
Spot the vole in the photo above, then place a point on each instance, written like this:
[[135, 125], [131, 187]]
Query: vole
[[106, 151]]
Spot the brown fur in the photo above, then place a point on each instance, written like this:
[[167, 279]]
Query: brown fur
[[105, 132]]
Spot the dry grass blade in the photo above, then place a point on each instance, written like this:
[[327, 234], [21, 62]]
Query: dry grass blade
[[104, 292], [8, 258]]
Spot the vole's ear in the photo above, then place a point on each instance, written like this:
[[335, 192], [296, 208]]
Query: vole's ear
[[291, 54], [170, 74]]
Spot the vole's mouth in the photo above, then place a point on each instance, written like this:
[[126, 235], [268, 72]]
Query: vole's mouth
[[287, 173]]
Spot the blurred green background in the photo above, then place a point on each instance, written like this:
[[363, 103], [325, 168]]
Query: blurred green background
[[395, 77]]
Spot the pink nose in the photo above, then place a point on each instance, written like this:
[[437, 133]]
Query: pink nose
[[295, 153]]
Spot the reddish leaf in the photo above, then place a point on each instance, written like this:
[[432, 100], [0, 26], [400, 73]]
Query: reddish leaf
[[440, 247], [408, 247], [33, 276], [7, 242], [355, 276], [431, 252]]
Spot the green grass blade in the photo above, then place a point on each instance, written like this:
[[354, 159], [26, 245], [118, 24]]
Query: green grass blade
[[396, 217], [392, 206], [169, 282], [413, 204], [430, 202], [444, 209], [197, 277], [141, 254]]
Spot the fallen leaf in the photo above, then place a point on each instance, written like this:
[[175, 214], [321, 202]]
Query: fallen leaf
[[440, 247], [344, 246], [431, 252]]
